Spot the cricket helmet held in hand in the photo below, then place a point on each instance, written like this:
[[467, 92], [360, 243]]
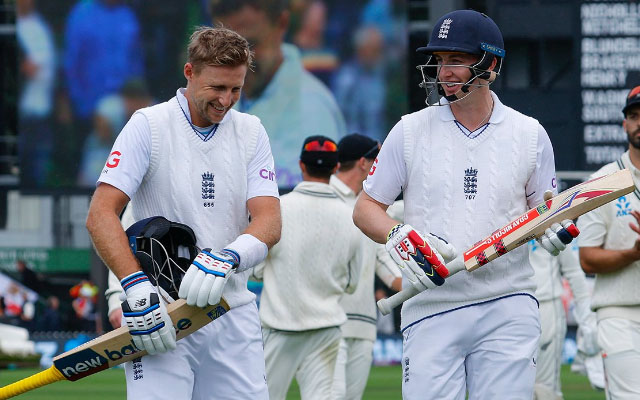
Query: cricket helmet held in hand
[[165, 250]]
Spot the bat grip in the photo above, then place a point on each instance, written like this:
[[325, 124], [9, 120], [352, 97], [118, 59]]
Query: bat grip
[[35, 381], [386, 305]]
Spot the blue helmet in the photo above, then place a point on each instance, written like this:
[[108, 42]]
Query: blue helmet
[[464, 31]]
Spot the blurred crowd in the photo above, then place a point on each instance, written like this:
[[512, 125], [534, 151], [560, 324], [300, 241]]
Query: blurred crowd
[[29, 300], [86, 66]]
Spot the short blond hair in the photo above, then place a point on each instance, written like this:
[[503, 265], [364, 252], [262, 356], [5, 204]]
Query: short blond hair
[[218, 47]]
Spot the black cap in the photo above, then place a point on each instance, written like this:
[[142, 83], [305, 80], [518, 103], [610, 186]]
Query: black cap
[[633, 99], [354, 146], [319, 151]]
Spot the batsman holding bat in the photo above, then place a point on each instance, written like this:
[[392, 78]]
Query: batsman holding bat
[[194, 160], [464, 166]]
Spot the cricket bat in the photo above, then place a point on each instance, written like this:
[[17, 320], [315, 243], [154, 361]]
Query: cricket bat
[[112, 348], [569, 204]]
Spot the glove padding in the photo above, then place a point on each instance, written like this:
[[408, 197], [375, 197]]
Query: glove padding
[[205, 279], [421, 257], [556, 238], [146, 316]]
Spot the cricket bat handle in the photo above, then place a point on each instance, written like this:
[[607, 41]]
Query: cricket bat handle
[[386, 305], [32, 382]]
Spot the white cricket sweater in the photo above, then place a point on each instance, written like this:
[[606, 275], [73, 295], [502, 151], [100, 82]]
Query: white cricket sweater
[[314, 264], [487, 177], [608, 227], [201, 184], [360, 306]]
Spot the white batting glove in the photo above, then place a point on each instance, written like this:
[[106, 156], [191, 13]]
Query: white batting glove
[[146, 315], [556, 238], [205, 279], [421, 257]]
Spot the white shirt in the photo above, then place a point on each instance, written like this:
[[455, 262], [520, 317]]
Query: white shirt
[[134, 148]]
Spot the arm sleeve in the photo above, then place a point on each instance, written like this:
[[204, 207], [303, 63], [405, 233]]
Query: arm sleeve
[[544, 174], [260, 171], [592, 228], [130, 155], [389, 172]]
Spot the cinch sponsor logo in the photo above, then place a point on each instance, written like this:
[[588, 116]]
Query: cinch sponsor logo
[[114, 159], [266, 174]]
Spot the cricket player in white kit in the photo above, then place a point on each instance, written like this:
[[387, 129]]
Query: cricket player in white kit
[[305, 274], [356, 154], [549, 271], [610, 248], [464, 168], [196, 161]]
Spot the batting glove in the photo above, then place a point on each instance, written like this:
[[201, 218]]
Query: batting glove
[[421, 257], [146, 316], [556, 238], [205, 279]]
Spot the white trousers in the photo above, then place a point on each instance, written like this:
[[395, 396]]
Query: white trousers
[[488, 350], [223, 360], [619, 340], [352, 368], [553, 323], [310, 356]]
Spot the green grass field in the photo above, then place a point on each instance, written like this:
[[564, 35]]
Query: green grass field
[[384, 384]]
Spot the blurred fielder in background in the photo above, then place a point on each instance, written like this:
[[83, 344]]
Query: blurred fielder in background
[[305, 274], [610, 248], [549, 271], [463, 168], [356, 154], [196, 161]]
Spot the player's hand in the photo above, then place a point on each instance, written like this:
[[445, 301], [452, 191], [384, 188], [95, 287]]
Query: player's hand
[[207, 275], [558, 236], [421, 257], [146, 316]]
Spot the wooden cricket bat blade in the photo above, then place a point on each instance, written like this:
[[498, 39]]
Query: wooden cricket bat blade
[[569, 204], [112, 348]]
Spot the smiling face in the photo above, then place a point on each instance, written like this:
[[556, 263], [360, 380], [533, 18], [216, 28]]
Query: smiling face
[[453, 70], [212, 91]]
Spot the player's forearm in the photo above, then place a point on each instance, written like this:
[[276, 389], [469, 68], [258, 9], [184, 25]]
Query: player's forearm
[[110, 241], [266, 222], [595, 260], [371, 217]]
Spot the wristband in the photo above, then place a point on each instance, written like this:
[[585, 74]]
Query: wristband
[[250, 249]]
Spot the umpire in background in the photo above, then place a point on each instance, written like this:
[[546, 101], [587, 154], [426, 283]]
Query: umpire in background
[[315, 263], [610, 248]]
